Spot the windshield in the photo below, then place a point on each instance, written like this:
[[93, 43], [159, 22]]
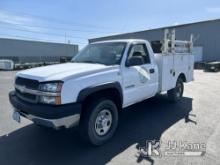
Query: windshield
[[102, 53]]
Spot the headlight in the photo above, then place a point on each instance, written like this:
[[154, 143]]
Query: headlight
[[55, 100], [51, 87], [51, 93]]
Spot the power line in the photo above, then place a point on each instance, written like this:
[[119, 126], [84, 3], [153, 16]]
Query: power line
[[44, 33], [57, 28], [36, 39]]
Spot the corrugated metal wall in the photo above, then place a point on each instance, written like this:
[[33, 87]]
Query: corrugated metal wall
[[21, 51], [207, 34]]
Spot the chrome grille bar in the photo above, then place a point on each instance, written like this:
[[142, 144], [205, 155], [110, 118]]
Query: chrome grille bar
[[23, 89]]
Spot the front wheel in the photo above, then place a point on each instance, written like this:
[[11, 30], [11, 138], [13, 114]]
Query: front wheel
[[176, 93], [99, 121]]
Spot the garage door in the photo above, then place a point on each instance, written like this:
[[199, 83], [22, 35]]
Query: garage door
[[198, 53]]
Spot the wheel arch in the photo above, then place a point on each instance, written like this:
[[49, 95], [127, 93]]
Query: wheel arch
[[183, 77], [110, 89]]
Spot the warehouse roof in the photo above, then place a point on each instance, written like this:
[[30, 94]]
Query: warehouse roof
[[34, 41], [161, 28]]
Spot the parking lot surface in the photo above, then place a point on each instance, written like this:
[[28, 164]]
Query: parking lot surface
[[193, 120]]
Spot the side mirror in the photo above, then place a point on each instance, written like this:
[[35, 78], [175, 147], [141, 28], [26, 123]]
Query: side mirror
[[134, 61]]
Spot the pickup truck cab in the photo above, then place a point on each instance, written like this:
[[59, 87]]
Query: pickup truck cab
[[102, 79]]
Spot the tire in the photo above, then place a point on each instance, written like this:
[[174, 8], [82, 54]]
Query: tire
[[99, 121], [176, 93]]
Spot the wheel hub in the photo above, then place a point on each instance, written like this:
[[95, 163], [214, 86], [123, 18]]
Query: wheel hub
[[103, 122]]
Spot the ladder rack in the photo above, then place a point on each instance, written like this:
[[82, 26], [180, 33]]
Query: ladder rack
[[171, 45]]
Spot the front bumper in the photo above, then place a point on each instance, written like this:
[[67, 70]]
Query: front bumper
[[67, 115]]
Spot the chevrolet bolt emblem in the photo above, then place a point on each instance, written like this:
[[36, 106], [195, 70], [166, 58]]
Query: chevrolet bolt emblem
[[21, 89]]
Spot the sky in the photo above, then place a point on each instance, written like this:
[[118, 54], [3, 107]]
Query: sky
[[75, 21]]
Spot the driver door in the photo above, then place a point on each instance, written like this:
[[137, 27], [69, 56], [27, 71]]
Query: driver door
[[140, 80]]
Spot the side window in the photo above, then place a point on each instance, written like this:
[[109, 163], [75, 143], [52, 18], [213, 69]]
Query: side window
[[140, 50]]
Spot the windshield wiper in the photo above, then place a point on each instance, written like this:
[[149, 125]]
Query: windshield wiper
[[91, 62], [88, 61]]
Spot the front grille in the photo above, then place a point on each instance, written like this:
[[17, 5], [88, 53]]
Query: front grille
[[26, 96], [27, 83]]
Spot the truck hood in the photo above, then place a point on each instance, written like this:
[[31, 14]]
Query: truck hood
[[62, 71]]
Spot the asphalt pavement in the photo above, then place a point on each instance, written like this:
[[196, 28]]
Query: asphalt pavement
[[192, 122]]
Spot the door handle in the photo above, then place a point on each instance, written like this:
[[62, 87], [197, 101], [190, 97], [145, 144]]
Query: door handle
[[152, 70]]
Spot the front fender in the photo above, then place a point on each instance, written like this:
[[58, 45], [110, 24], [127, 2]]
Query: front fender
[[92, 89]]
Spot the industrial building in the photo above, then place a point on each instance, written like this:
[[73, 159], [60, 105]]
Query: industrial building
[[24, 51], [206, 33]]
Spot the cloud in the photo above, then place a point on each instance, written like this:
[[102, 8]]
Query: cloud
[[14, 19], [213, 9], [8, 18], [176, 23]]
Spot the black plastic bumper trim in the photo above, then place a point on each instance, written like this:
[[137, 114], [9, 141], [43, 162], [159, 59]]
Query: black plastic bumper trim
[[43, 110]]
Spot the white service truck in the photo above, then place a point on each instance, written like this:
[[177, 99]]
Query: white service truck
[[102, 79]]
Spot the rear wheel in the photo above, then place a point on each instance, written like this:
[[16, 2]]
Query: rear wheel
[[176, 93], [99, 121]]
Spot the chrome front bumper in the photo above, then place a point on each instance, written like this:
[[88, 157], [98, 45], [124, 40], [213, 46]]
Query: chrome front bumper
[[65, 122]]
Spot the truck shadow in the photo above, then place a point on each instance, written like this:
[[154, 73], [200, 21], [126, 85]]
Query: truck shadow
[[144, 121]]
